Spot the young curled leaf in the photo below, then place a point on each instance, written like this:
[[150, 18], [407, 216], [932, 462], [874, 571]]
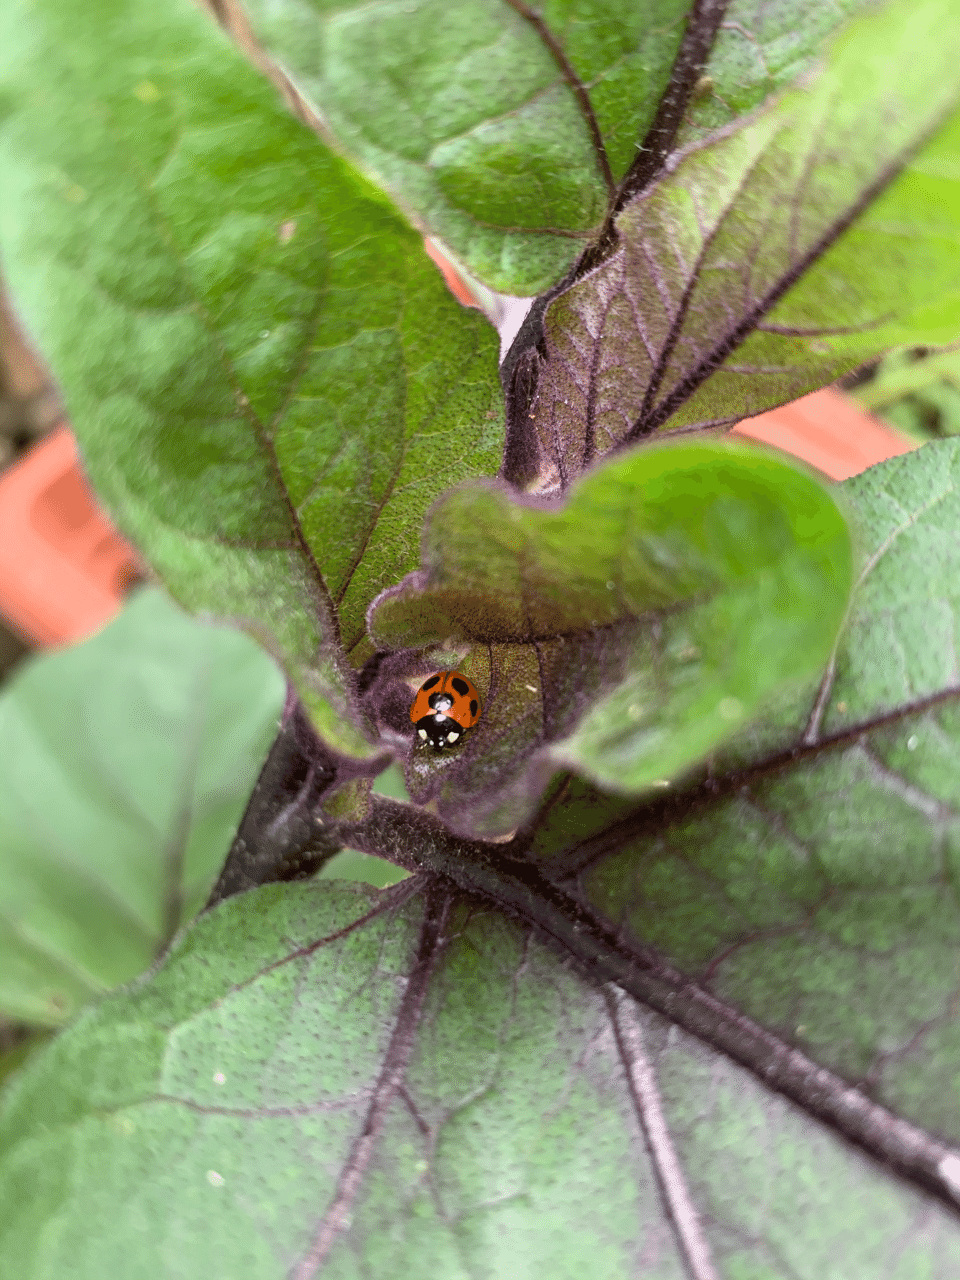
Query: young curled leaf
[[624, 633]]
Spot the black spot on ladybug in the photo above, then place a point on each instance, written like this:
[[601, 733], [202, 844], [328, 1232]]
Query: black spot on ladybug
[[428, 684], [461, 686], [474, 706]]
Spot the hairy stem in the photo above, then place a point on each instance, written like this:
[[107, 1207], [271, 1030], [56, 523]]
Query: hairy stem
[[702, 27], [280, 836]]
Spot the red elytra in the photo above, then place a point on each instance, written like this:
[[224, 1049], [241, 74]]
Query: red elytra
[[446, 706]]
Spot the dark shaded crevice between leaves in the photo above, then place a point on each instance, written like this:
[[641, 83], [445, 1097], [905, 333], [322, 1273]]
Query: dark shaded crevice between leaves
[[519, 370], [403, 1040], [281, 836]]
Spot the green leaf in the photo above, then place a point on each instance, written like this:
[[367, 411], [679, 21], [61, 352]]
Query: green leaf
[[268, 378], [906, 372], [626, 633], [127, 763], [503, 127], [772, 260], [917, 391], [350, 864], [761, 48], [812, 879], [427, 1093], [461, 112]]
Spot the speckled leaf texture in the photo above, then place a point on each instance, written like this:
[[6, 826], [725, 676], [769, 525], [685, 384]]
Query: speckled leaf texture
[[503, 127], [276, 397], [605, 633], [213, 1123], [773, 259], [267, 376], [812, 879], [127, 762]]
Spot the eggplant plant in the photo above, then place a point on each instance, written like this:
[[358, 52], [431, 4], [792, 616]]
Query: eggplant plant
[[667, 979]]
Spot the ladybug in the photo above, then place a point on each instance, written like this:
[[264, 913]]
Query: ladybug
[[446, 706]]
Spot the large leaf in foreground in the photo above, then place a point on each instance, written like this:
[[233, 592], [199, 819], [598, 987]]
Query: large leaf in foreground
[[126, 765], [268, 378], [812, 880], [625, 633], [771, 261], [504, 127], [430, 1093]]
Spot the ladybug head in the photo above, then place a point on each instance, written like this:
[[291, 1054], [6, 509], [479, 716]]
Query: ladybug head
[[439, 731]]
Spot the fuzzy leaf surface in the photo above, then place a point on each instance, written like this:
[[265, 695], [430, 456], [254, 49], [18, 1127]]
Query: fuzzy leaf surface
[[503, 129], [812, 880], [268, 378], [275, 1102], [626, 632], [127, 762], [772, 260]]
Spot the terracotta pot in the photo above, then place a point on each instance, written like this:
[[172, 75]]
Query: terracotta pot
[[829, 432], [64, 569]]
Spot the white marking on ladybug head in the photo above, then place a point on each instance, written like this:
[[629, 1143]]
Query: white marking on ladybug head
[[423, 733], [452, 737]]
